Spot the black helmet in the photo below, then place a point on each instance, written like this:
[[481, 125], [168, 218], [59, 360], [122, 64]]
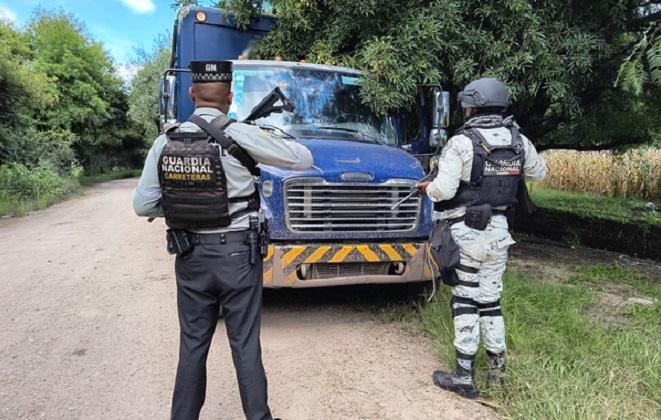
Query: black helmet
[[485, 92]]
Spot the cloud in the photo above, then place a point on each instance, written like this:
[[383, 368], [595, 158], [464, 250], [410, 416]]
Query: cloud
[[7, 14], [127, 71], [140, 6]]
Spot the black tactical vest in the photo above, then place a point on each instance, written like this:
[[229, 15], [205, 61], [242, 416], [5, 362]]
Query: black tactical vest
[[495, 173], [192, 178]]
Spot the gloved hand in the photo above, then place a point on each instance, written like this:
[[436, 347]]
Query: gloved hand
[[422, 186]]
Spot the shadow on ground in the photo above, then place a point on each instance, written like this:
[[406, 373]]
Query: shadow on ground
[[375, 298]]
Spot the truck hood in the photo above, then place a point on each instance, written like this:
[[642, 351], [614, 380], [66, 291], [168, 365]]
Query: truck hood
[[332, 158], [360, 163]]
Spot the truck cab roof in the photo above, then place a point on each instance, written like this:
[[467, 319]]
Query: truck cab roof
[[294, 64]]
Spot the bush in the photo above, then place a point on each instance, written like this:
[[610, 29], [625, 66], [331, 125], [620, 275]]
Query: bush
[[23, 189]]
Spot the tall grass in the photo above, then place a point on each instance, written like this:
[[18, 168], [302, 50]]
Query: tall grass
[[562, 362], [635, 173], [23, 189]]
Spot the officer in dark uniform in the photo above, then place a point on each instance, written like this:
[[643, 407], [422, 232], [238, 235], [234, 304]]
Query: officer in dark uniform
[[201, 176]]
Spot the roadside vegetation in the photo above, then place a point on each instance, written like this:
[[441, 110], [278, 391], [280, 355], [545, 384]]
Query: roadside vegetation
[[23, 190], [573, 350], [635, 173], [598, 206], [66, 117]]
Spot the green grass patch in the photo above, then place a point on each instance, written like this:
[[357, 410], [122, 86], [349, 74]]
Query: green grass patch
[[23, 190], [626, 210], [109, 176], [605, 275], [562, 363]]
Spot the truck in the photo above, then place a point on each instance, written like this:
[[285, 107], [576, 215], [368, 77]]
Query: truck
[[338, 222]]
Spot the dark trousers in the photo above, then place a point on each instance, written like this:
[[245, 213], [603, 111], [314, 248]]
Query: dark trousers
[[214, 275]]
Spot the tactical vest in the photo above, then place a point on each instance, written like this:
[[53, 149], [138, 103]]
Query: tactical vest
[[192, 178], [495, 173]]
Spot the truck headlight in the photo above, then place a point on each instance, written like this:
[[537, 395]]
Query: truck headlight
[[267, 188]]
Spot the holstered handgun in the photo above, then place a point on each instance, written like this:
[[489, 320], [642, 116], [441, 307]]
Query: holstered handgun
[[253, 238], [179, 242]]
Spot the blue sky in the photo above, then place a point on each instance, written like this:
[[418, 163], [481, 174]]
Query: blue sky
[[121, 25]]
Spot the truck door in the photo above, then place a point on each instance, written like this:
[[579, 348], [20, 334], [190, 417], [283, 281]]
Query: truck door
[[423, 126]]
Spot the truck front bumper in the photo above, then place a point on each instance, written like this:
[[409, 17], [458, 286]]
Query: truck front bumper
[[317, 265]]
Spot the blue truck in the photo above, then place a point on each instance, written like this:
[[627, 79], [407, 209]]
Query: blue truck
[[334, 224]]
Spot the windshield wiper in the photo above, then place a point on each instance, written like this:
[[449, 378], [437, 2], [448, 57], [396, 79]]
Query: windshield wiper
[[349, 130], [275, 128]]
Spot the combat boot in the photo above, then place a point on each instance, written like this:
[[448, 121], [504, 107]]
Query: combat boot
[[496, 373], [461, 380]]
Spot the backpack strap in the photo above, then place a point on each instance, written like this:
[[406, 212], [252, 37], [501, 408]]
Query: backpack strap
[[216, 129]]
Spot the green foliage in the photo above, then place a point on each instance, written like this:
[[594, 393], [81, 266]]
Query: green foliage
[[143, 100], [643, 65], [23, 189], [115, 173], [61, 105], [563, 363], [558, 58]]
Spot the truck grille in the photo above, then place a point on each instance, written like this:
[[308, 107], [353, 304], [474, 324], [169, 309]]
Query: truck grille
[[318, 206], [327, 271]]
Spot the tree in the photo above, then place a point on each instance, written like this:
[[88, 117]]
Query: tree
[[60, 99], [91, 102], [558, 58], [143, 100]]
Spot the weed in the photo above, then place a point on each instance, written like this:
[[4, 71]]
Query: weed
[[561, 363]]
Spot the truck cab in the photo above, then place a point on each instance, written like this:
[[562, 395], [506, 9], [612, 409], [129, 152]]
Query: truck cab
[[336, 223]]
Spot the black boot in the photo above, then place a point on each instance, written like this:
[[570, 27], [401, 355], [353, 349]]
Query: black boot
[[461, 380], [496, 374]]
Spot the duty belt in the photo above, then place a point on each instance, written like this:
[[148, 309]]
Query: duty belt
[[219, 238], [460, 219]]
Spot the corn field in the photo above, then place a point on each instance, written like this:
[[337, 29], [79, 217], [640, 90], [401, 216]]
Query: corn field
[[636, 173]]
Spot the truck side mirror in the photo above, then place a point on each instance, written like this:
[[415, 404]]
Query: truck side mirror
[[166, 98], [440, 108], [440, 118]]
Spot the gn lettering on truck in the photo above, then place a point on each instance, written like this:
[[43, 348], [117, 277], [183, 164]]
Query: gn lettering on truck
[[333, 224]]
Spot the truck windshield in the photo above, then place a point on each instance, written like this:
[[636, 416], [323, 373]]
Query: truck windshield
[[327, 103]]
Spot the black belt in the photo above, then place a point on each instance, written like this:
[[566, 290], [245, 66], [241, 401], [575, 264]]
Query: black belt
[[218, 238], [460, 219]]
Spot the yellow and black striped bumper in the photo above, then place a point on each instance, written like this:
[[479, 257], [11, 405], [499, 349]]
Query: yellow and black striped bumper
[[283, 263]]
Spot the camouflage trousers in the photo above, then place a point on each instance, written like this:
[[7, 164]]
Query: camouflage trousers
[[476, 299]]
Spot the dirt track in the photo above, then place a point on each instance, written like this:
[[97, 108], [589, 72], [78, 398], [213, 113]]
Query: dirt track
[[89, 331]]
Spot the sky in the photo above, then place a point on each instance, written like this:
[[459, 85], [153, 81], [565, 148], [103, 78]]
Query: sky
[[121, 25]]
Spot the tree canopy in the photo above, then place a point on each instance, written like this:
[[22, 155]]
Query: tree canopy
[[61, 102], [559, 59], [143, 100]]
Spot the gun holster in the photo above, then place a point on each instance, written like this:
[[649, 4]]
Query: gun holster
[[477, 217], [264, 239], [179, 242]]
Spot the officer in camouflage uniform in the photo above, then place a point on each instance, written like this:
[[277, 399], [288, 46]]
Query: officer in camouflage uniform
[[209, 199], [481, 165]]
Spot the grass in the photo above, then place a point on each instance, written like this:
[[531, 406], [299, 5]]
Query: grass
[[563, 363], [11, 205], [108, 176], [627, 210], [27, 198]]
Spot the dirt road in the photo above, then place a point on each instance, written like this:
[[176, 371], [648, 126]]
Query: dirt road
[[88, 330]]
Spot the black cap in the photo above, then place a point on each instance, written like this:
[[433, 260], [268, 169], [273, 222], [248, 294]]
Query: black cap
[[211, 71]]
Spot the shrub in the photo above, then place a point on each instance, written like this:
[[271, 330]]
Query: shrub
[[22, 189]]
